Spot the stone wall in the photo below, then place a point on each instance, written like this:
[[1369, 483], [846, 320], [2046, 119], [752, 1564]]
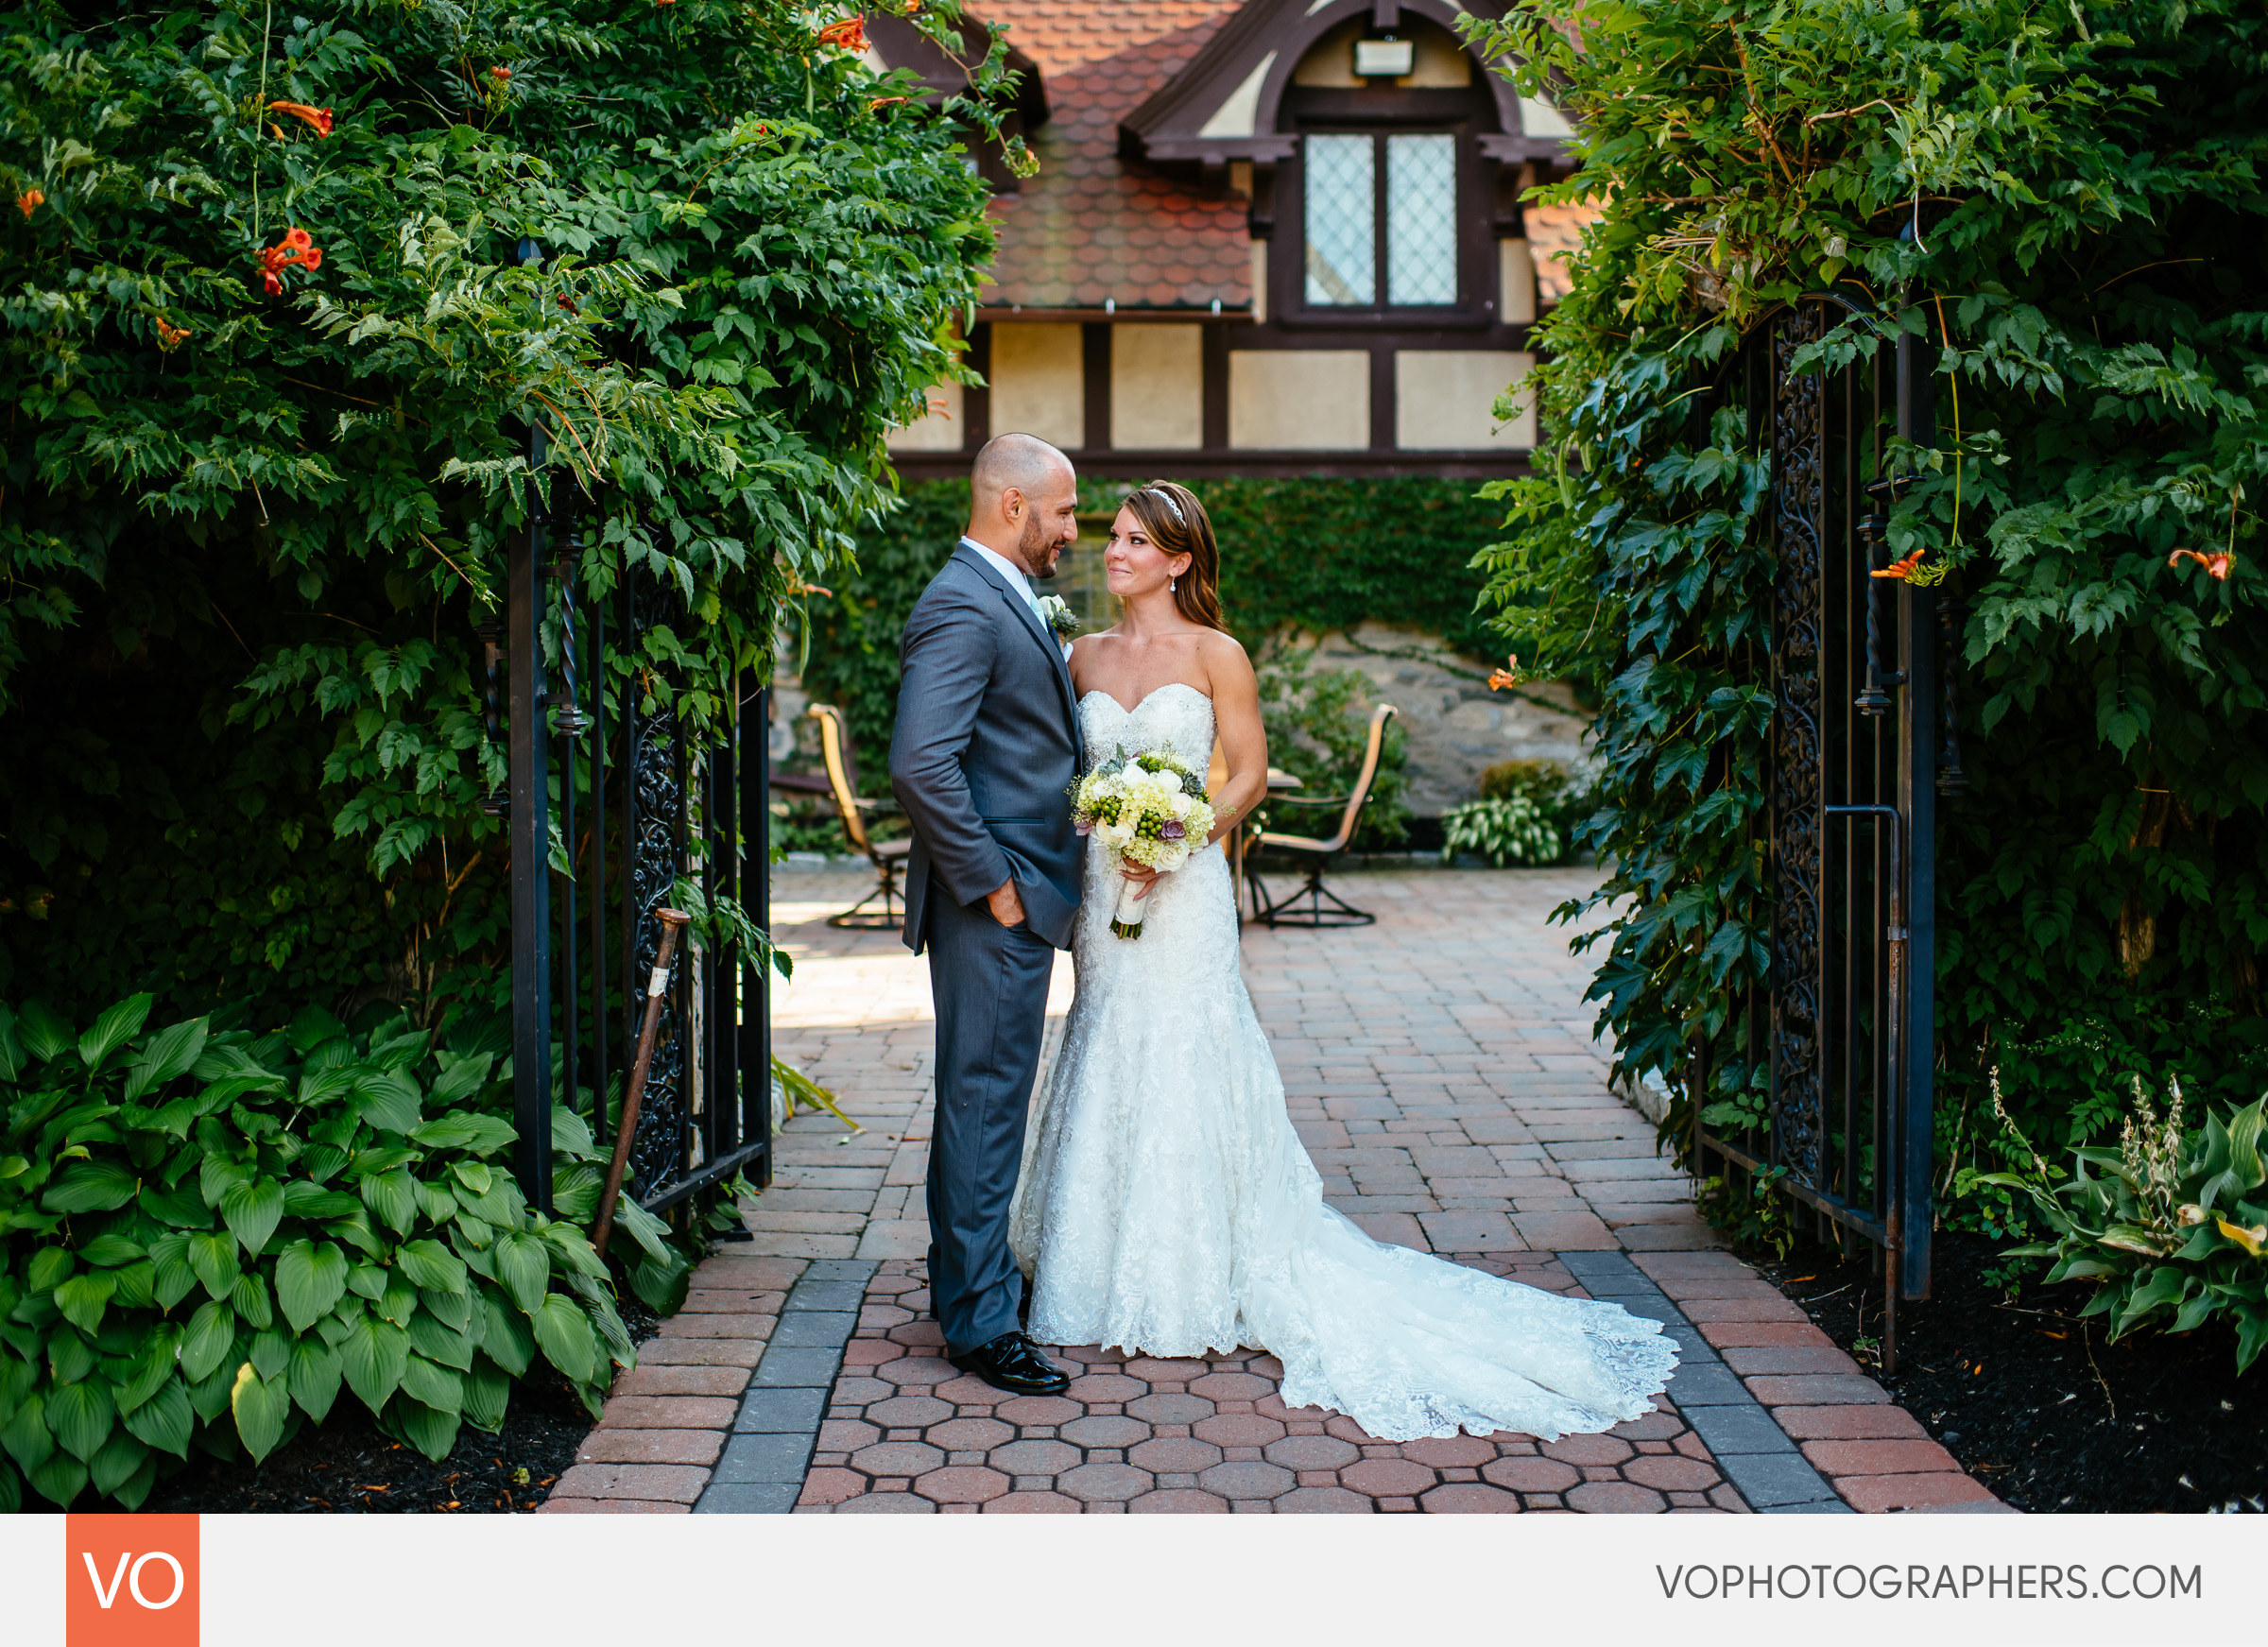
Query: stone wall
[[1455, 726]]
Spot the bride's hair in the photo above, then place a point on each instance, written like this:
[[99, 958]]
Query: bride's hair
[[1176, 523]]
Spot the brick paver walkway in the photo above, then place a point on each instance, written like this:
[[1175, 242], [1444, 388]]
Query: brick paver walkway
[[1439, 1068], [908, 1433]]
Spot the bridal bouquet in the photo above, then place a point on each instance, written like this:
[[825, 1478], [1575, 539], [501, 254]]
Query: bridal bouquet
[[1148, 809]]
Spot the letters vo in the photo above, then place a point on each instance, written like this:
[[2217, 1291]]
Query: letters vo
[[130, 1581]]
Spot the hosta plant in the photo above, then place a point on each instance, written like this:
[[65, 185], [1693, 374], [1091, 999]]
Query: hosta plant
[[1511, 831], [205, 1235], [2171, 1226]]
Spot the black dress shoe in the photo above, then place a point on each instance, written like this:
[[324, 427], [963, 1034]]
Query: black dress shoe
[[1013, 1363]]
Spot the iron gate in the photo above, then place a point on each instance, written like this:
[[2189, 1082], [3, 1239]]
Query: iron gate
[[644, 810], [1844, 1027]]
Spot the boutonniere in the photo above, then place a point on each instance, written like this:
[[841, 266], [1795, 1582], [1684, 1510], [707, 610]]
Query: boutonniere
[[1055, 613]]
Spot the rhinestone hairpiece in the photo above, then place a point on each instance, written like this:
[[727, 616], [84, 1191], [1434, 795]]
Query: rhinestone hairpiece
[[1167, 498]]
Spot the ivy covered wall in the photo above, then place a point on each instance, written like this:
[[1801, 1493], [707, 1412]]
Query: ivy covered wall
[[1314, 553]]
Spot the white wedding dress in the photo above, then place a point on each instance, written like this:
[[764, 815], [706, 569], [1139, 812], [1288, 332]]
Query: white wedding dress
[[1167, 1206]]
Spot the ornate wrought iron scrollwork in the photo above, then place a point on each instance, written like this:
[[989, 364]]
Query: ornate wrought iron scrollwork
[[656, 857], [1798, 796]]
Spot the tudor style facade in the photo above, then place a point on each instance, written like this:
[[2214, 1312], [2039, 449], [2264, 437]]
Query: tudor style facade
[[1267, 237]]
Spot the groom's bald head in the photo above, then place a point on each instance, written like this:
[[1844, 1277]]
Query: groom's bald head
[[1024, 502]]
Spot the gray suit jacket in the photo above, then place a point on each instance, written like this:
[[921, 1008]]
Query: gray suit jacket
[[985, 752]]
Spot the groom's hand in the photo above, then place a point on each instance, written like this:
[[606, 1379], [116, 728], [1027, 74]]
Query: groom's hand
[[1007, 907]]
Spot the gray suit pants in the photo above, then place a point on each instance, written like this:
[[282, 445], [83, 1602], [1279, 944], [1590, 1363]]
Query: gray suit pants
[[989, 982]]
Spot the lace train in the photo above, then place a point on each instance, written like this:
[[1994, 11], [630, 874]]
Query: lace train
[[1166, 1204]]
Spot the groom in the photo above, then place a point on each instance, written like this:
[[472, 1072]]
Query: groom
[[982, 759]]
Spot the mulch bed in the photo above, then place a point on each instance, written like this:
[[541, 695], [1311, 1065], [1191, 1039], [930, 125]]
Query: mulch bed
[[2033, 1402], [347, 1464]]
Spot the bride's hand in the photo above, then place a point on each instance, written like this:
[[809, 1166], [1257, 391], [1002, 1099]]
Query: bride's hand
[[1144, 878]]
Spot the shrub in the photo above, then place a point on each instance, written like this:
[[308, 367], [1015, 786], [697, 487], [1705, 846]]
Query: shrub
[[250, 525], [1553, 791], [1513, 829], [1540, 782], [2099, 335], [207, 1231], [2162, 1229]]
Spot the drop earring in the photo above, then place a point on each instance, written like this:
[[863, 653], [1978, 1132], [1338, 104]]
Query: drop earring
[[1173, 586]]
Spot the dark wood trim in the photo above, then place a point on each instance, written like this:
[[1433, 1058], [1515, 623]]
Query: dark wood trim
[[1382, 399], [1164, 130], [1216, 464], [1215, 421], [977, 399], [1094, 351], [1404, 331], [1325, 108]]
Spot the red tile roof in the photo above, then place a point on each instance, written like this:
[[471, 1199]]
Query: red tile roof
[[1091, 227], [1554, 232]]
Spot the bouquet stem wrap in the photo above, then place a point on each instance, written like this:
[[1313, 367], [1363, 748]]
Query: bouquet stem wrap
[[1127, 921]]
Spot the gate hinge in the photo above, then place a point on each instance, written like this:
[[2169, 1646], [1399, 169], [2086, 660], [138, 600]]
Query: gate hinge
[[1898, 934]]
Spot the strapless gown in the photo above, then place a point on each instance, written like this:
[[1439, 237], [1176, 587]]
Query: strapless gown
[[1167, 1206]]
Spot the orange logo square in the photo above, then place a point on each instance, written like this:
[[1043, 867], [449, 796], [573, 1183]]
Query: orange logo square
[[130, 1581]]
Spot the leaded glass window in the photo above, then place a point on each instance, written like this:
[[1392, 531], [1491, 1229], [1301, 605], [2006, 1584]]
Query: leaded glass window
[[1342, 192], [1349, 227], [1421, 219]]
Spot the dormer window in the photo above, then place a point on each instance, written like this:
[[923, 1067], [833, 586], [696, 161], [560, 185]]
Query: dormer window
[[1355, 226]]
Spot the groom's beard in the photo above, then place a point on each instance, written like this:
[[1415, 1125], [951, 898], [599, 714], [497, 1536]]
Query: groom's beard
[[1039, 556]]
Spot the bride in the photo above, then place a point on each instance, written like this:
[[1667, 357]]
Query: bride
[[1166, 1204]]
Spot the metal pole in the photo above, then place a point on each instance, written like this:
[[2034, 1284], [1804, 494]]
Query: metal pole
[[1917, 801], [569, 726], [598, 869], [529, 833], [720, 1075], [755, 734]]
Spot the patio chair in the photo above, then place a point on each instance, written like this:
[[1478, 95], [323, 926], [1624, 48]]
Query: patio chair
[[1314, 856], [888, 857]]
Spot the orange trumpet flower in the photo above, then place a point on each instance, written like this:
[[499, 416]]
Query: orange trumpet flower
[[848, 34], [170, 337], [30, 201], [319, 118], [299, 246], [1509, 676], [2216, 564], [1901, 570]]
